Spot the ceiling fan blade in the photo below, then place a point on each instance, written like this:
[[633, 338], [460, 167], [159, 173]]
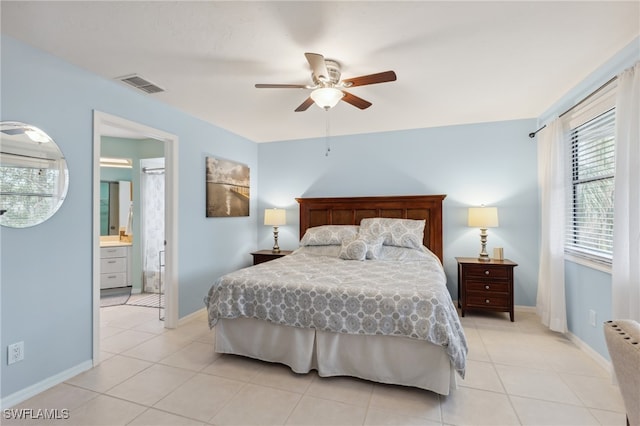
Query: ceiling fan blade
[[281, 86], [306, 104], [381, 77], [355, 101], [318, 66]]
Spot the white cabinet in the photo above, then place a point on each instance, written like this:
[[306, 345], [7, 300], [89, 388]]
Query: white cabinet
[[115, 266]]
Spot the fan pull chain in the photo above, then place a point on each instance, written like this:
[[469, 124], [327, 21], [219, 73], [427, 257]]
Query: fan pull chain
[[327, 133]]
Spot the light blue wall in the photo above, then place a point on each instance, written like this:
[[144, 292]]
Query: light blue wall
[[586, 288], [134, 150], [46, 270], [493, 163]]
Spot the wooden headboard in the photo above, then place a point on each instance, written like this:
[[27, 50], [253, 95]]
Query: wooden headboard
[[351, 210]]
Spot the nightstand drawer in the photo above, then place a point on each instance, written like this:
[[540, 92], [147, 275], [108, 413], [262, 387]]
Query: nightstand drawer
[[487, 286], [486, 271], [488, 300]]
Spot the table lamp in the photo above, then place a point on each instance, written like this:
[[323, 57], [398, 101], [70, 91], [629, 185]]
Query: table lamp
[[275, 218], [483, 218]]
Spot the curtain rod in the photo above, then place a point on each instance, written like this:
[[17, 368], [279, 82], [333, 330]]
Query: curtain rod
[[533, 134]]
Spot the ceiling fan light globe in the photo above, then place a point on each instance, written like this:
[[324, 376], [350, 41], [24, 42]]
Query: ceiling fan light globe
[[326, 97]]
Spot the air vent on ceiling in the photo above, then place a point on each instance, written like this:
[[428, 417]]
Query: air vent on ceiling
[[140, 83]]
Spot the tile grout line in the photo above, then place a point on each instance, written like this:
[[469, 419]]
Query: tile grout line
[[522, 330]]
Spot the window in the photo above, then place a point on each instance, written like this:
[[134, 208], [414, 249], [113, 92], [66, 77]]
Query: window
[[28, 193], [33, 175], [590, 205]]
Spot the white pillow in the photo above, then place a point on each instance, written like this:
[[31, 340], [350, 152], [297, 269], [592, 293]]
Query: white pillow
[[397, 232], [331, 251], [327, 235], [395, 253], [354, 249]]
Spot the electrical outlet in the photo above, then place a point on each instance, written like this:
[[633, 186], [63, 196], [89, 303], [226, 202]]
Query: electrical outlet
[[592, 317], [15, 352]]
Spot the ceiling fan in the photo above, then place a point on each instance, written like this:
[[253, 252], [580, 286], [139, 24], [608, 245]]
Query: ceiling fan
[[328, 87]]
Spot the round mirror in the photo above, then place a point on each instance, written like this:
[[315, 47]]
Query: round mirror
[[33, 175]]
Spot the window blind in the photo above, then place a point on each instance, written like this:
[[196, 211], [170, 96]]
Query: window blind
[[591, 182]]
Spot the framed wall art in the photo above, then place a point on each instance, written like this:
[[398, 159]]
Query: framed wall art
[[227, 186]]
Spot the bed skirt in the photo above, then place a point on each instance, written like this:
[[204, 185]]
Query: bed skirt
[[384, 359]]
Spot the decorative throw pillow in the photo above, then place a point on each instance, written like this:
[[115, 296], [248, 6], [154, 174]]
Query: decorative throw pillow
[[374, 244], [397, 232], [327, 235], [354, 249]]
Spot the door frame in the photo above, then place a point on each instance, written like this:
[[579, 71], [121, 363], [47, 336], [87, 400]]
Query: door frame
[[101, 122]]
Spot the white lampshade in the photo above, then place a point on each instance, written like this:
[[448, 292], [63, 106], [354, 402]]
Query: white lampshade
[[326, 97], [483, 217], [275, 217]]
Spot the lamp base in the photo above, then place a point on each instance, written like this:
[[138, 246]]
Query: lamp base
[[483, 256], [276, 247]]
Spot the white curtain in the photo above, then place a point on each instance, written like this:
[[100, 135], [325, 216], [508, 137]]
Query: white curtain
[[153, 230], [626, 223], [550, 303]]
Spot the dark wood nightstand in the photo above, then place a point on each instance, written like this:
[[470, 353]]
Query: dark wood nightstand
[[485, 285], [262, 256]]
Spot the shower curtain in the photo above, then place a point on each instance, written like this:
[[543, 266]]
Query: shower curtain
[[153, 231]]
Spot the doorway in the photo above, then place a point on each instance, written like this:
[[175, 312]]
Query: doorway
[[106, 124]]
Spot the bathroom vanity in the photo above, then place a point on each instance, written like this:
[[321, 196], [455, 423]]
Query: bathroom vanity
[[115, 264]]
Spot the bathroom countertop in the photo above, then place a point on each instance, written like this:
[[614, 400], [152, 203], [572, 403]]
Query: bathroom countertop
[[113, 243]]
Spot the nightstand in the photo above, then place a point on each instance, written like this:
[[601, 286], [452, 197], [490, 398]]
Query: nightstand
[[485, 285], [262, 256]]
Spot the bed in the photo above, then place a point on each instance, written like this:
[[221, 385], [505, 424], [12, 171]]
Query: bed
[[364, 296]]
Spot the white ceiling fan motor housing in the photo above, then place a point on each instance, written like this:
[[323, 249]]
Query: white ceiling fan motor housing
[[333, 68]]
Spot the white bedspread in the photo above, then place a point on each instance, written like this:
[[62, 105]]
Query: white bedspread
[[373, 297]]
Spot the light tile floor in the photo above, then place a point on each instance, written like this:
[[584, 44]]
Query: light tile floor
[[518, 374]]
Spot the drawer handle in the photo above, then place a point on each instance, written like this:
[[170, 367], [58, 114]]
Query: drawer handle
[[486, 287], [487, 301], [112, 276], [111, 261], [486, 272]]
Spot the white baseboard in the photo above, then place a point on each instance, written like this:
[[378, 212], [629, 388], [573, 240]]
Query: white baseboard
[[599, 359], [190, 317], [522, 308], [33, 390]]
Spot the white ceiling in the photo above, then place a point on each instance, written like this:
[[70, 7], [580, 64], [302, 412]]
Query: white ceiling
[[456, 62]]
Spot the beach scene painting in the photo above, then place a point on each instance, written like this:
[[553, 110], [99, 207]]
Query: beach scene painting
[[227, 188]]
